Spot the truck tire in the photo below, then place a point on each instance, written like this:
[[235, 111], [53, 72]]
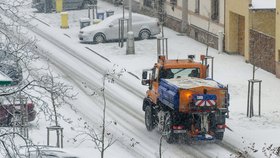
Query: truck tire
[[149, 119], [219, 136], [168, 131]]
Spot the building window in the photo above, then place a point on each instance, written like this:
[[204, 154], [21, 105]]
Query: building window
[[215, 10], [173, 2], [197, 4], [148, 3], [196, 35]]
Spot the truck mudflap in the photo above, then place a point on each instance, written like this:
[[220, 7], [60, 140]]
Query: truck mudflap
[[199, 139], [185, 137], [203, 137]]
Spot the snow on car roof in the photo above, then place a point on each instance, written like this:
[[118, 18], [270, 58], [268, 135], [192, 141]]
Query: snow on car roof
[[107, 21], [263, 4]]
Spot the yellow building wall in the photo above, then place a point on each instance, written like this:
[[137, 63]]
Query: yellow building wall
[[277, 33], [263, 21], [231, 41], [277, 39], [233, 9]]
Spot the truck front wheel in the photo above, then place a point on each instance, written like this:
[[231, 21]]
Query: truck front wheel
[[149, 119]]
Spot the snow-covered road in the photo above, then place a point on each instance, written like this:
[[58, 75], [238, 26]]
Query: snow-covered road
[[123, 97]]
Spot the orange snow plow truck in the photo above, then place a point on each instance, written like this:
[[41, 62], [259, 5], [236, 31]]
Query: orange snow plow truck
[[182, 102]]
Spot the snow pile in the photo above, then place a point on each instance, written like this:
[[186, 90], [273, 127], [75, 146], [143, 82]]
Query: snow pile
[[263, 4]]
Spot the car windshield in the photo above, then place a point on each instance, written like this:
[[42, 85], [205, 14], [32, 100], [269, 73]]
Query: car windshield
[[115, 19], [181, 72]]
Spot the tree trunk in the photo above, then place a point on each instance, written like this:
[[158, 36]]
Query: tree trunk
[[104, 116], [55, 115]]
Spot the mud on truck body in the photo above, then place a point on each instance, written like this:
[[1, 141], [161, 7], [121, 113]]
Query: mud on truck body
[[183, 103]]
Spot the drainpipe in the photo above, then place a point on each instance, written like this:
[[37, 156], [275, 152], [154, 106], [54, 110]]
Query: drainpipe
[[185, 15], [220, 41]]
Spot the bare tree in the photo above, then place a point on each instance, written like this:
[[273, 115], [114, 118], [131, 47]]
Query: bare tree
[[52, 89], [9, 144], [101, 138], [17, 52], [161, 14]]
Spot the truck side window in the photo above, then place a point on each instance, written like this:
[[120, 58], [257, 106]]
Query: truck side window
[[166, 73]]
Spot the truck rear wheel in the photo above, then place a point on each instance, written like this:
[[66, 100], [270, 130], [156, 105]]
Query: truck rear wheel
[[168, 131], [149, 119], [220, 136]]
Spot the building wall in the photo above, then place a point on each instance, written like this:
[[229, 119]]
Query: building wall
[[277, 38], [263, 21], [262, 51], [173, 23], [222, 12], [177, 12], [205, 8], [192, 5], [201, 27], [204, 22], [187, 21], [235, 9], [202, 18]]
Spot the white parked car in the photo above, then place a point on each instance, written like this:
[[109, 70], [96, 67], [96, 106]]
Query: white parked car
[[143, 27]]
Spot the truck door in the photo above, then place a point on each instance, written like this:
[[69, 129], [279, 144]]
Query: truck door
[[153, 92]]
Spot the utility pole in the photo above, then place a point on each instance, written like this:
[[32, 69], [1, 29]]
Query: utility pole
[[161, 15], [130, 15], [130, 49]]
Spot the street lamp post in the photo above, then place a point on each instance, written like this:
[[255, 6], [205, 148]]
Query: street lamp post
[[130, 36]]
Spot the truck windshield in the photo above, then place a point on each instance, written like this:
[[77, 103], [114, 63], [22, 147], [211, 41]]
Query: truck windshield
[[178, 73]]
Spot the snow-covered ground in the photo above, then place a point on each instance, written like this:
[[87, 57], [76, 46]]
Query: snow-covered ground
[[247, 133]]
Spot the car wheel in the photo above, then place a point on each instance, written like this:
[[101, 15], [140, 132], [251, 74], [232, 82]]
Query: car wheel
[[99, 38], [144, 34], [15, 120]]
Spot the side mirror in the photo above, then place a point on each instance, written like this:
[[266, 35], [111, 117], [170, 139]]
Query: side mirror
[[145, 80], [144, 75]]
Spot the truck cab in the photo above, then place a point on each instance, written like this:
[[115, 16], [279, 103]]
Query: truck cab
[[168, 69]]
